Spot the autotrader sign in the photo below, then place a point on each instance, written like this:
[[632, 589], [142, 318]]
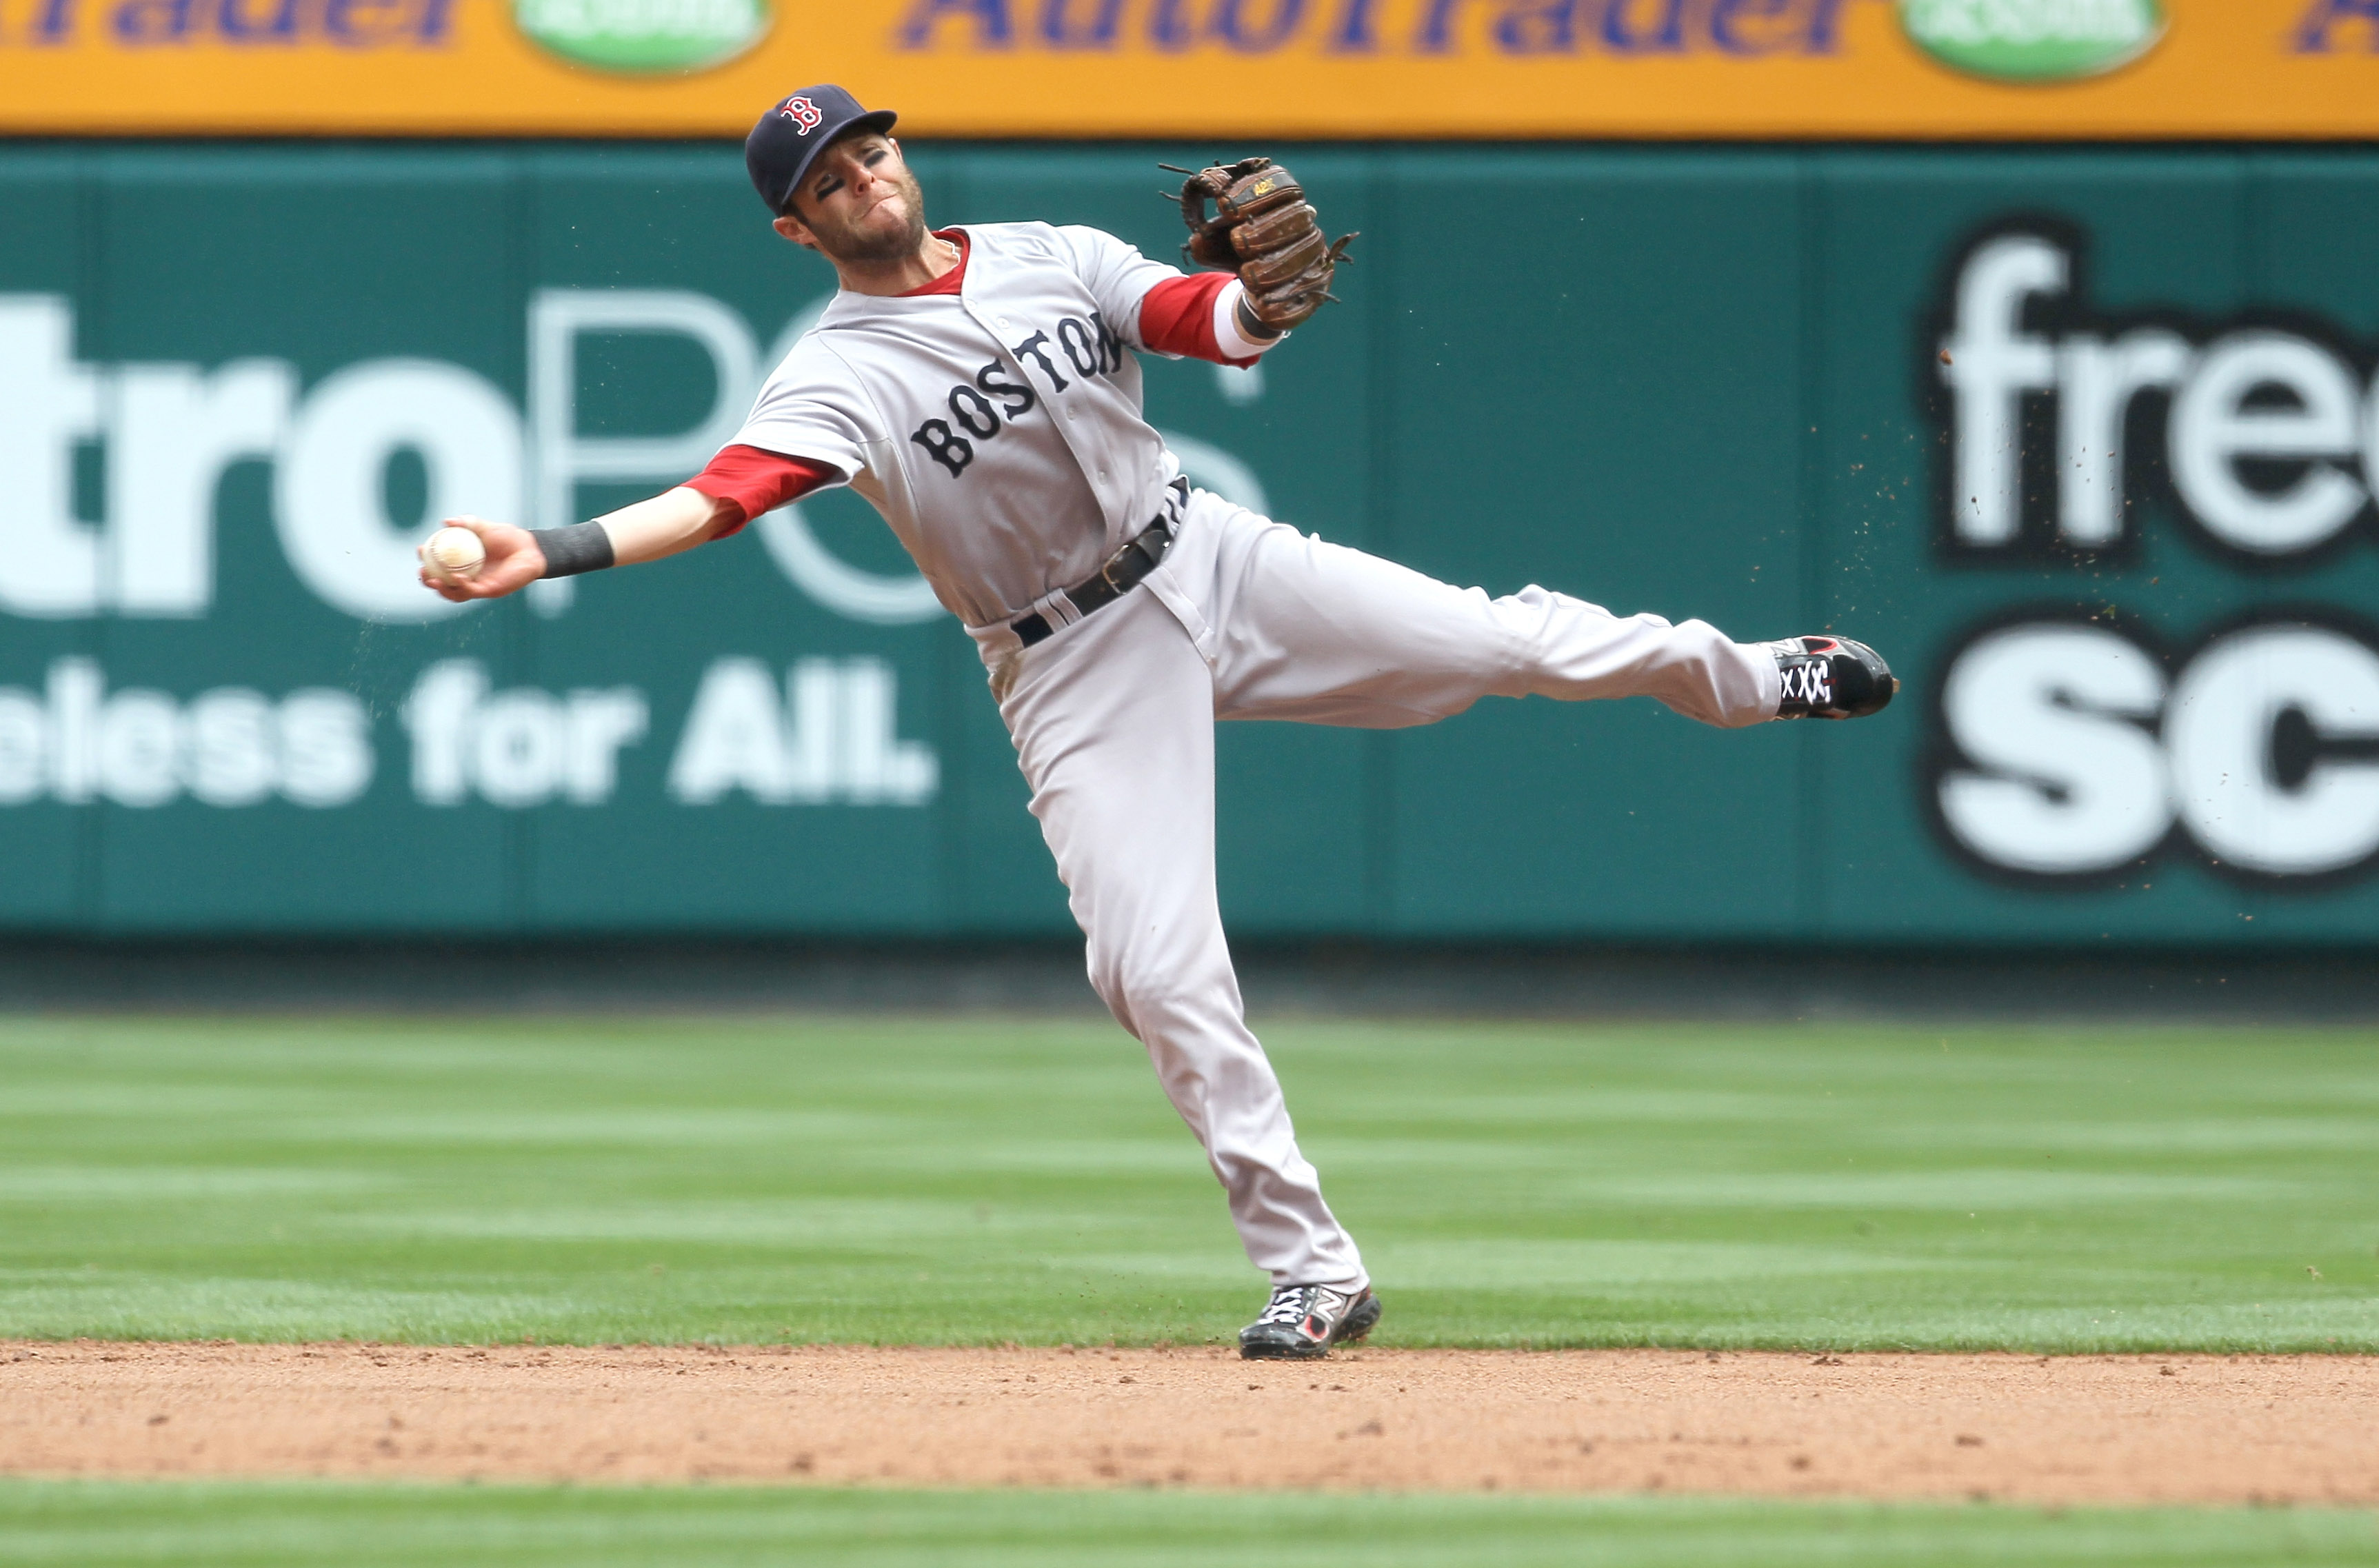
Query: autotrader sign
[[1388, 70]]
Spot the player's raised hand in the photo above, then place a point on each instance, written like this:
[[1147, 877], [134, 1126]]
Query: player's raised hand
[[511, 562]]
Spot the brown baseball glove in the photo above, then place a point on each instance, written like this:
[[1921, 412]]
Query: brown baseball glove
[[1265, 230]]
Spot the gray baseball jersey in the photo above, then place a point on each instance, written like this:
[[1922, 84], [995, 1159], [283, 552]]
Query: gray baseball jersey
[[998, 430]]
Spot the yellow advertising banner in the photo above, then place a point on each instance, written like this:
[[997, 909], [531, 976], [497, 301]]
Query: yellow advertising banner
[[1917, 70]]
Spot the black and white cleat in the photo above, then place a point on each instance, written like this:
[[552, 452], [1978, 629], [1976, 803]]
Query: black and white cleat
[[1302, 1322], [1831, 678]]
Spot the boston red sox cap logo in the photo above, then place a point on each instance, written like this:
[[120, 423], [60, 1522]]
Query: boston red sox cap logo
[[776, 158]]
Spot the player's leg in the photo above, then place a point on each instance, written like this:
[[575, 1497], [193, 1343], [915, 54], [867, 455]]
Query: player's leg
[[1299, 629], [1113, 719]]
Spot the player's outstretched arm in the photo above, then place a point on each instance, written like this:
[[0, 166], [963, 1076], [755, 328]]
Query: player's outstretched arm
[[671, 522]]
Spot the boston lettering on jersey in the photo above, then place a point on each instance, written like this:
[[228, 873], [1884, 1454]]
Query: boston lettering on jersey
[[998, 427], [1088, 347]]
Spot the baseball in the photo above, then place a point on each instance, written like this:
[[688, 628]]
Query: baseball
[[454, 554]]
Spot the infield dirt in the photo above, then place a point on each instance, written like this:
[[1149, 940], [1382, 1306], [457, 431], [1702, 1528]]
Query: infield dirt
[[2168, 1428]]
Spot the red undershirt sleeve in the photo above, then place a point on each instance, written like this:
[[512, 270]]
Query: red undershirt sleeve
[[1177, 316], [754, 481]]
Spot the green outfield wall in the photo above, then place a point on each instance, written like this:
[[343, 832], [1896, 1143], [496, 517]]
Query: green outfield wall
[[2084, 440]]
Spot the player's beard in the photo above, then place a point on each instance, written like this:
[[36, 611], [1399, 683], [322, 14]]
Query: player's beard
[[876, 248]]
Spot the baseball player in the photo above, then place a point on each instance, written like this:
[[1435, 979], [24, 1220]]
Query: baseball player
[[981, 387]]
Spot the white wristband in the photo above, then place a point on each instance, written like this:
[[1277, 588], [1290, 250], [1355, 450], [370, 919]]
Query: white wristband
[[1232, 342]]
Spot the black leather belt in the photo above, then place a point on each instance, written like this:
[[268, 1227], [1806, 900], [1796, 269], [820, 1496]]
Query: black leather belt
[[1122, 574]]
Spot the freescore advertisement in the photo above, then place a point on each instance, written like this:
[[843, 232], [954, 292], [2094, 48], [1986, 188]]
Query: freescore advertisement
[[2087, 442], [1232, 70]]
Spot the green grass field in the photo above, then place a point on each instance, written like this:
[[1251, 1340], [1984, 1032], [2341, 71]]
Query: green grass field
[[976, 1180], [297, 1525]]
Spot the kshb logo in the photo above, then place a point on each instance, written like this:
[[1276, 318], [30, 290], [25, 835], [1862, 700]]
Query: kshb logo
[[2072, 747]]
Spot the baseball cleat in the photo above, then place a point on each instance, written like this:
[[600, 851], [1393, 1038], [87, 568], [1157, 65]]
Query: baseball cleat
[[1302, 1322], [1831, 678]]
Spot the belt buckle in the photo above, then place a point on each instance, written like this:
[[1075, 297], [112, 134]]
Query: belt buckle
[[1106, 575]]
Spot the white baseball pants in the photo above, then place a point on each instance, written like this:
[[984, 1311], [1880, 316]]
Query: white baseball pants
[[1113, 719]]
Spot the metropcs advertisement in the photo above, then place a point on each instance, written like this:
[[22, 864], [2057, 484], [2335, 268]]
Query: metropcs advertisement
[[822, 730], [1382, 69], [169, 432], [2087, 442]]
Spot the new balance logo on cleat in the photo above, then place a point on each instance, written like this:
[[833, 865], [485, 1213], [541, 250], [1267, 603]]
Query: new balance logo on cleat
[[1831, 677], [1302, 1322]]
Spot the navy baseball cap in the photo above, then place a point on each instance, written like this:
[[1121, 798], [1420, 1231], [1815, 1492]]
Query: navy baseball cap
[[790, 136]]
